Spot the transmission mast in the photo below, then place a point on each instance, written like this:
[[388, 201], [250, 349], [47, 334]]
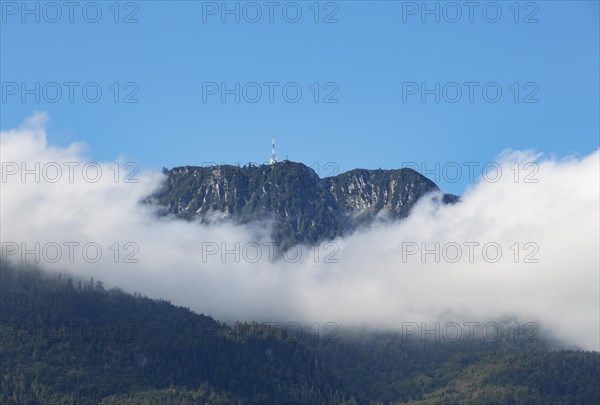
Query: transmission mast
[[273, 157]]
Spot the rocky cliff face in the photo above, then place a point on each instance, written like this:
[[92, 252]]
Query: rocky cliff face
[[303, 207], [368, 192]]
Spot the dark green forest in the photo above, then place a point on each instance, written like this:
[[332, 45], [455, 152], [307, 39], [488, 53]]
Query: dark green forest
[[66, 340]]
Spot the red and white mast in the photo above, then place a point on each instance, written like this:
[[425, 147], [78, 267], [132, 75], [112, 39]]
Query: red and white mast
[[273, 158]]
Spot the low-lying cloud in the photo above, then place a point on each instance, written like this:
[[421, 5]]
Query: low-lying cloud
[[511, 248]]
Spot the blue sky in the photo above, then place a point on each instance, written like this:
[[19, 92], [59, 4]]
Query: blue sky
[[369, 58]]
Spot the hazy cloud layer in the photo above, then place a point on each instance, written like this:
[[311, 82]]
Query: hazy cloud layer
[[379, 280]]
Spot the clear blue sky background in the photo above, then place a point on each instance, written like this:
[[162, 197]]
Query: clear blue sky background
[[368, 53]]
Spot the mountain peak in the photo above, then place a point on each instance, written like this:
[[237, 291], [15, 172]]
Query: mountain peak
[[304, 208]]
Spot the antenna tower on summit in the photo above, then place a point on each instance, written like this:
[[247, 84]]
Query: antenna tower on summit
[[273, 158]]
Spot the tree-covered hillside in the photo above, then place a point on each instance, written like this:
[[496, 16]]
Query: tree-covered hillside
[[67, 341]]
